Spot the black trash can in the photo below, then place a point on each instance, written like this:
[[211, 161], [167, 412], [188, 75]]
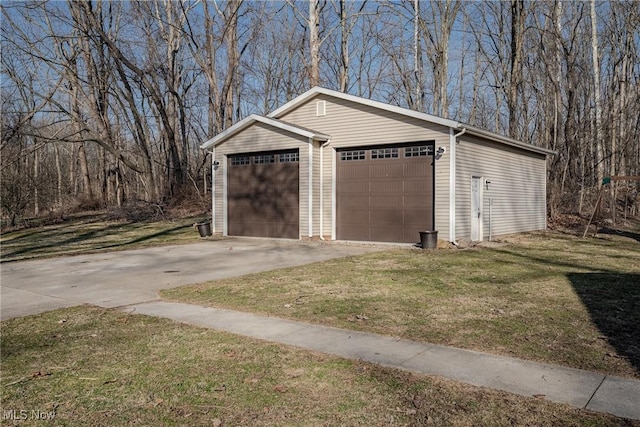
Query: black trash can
[[204, 228], [429, 239]]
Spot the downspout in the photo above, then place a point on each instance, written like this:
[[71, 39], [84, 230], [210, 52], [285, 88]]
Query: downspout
[[213, 189], [310, 216], [452, 183], [322, 189]]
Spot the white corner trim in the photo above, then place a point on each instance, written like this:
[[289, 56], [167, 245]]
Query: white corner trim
[[213, 190], [452, 186], [321, 201], [333, 194], [322, 188], [225, 210]]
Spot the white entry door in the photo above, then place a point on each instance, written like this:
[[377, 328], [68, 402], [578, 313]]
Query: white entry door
[[476, 208]]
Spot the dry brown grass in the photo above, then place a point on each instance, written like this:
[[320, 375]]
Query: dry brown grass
[[92, 367], [547, 297], [91, 233]]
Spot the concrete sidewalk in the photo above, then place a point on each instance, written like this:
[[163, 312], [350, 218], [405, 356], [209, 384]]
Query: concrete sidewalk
[[582, 389]]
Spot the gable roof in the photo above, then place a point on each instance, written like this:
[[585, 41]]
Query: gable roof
[[272, 119], [459, 126], [279, 124]]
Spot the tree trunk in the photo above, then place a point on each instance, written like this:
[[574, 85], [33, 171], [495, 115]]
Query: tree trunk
[[59, 176], [599, 157], [84, 173], [36, 183], [233, 59], [515, 76], [417, 103], [344, 48], [314, 43]]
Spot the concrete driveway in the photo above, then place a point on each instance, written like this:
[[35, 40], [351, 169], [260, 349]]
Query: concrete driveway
[[121, 278]]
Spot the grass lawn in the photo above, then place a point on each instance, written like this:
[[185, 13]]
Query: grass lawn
[[86, 366], [90, 233], [546, 297]]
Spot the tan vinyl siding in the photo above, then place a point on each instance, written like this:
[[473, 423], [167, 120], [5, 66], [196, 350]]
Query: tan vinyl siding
[[255, 138], [351, 124], [517, 189]]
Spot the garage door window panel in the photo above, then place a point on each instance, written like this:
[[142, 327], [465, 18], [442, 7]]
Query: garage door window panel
[[240, 160], [289, 157], [260, 159], [384, 153], [418, 151], [346, 156]]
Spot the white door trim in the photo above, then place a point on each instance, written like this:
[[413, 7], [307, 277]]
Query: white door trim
[[476, 208]]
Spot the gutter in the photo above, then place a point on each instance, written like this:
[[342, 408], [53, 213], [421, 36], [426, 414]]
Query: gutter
[[506, 140], [310, 189]]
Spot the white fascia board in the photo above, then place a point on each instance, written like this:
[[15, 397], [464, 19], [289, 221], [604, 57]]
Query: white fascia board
[[359, 100], [229, 132], [246, 122], [506, 140], [293, 128], [408, 113]]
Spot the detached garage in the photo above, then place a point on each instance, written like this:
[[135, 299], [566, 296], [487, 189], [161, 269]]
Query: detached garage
[[334, 166]]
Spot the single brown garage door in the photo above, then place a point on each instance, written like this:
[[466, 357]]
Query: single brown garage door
[[385, 194], [263, 194]]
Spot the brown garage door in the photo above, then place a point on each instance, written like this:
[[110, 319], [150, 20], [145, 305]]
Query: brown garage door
[[385, 194], [263, 194]]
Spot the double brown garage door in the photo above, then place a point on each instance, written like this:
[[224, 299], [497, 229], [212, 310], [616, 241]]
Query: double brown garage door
[[263, 194], [384, 194]]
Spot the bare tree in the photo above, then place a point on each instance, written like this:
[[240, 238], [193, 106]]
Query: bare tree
[[220, 29], [106, 102], [599, 165], [437, 34]]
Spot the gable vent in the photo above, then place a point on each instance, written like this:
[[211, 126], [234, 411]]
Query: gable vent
[[321, 108]]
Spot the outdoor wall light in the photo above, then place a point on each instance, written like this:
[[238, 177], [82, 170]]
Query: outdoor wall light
[[440, 151]]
